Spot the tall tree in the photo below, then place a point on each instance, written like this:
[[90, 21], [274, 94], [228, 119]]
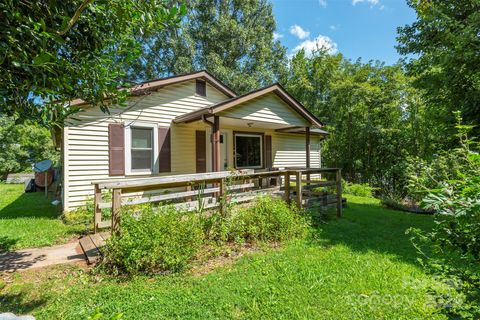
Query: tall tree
[[445, 44], [21, 145], [55, 51], [374, 117], [233, 39]]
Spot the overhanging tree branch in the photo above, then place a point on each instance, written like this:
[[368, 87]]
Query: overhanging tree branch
[[75, 17]]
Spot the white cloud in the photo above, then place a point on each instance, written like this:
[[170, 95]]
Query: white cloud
[[334, 27], [371, 2], [277, 36], [298, 31], [319, 43], [322, 3]]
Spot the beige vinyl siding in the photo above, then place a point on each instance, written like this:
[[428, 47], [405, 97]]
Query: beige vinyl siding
[[289, 151], [160, 107], [269, 108], [86, 136]]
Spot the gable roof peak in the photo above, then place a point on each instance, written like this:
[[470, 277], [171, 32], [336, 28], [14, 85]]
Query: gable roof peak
[[234, 101], [165, 81]]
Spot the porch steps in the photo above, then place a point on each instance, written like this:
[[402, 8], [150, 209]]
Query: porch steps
[[91, 244]]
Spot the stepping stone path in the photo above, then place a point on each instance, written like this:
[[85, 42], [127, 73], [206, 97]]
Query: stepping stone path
[[11, 316], [40, 257]]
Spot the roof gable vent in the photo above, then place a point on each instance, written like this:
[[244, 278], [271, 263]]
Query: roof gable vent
[[201, 88]]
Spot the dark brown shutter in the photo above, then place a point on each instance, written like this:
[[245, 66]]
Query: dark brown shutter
[[268, 152], [116, 149], [201, 151], [164, 147]]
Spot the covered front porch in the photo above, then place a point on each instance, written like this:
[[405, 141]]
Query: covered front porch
[[264, 131], [209, 191], [201, 191]]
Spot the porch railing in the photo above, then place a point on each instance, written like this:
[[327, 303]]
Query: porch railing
[[216, 189]]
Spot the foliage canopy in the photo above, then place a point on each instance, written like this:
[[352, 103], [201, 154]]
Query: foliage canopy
[[56, 51], [231, 39], [22, 145], [445, 44]]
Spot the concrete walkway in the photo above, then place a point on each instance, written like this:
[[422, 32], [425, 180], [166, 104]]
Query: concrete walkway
[[40, 257]]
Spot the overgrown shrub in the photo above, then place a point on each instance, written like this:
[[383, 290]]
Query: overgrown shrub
[[84, 214], [81, 215], [153, 240], [358, 189], [268, 219], [451, 249], [161, 239]]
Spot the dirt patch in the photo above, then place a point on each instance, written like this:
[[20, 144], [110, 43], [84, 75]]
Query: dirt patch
[[43, 274], [225, 256]]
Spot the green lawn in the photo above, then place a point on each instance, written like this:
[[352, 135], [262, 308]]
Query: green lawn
[[359, 267], [29, 220]]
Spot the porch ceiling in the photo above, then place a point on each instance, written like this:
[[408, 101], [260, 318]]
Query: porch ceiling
[[278, 127], [236, 122]]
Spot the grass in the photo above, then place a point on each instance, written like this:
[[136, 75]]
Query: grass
[[29, 220], [361, 266]]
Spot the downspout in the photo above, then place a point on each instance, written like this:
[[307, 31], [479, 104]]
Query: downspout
[[204, 119]]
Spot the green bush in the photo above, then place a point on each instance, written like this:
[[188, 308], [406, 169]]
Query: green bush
[[267, 220], [358, 189], [161, 239], [23, 144], [82, 215], [153, 240], [451, 250]]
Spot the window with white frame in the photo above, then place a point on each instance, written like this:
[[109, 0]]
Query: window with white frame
[[141, 145], [248, 150]]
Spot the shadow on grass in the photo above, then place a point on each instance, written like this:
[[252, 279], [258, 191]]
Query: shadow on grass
[[7, 243], [19, 303], [367, 226], [28, 205]]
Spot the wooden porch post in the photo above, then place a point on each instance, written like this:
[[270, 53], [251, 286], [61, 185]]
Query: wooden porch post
[[287, 187], [216, 144], [116, 206], [298, 188], [96, 204], [338, 180], [222, 196], [307, 152]]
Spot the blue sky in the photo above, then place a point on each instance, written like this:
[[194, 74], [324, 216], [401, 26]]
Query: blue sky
[[356, 28]]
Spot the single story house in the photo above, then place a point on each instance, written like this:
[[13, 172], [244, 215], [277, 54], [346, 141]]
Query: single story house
[[186, 124]]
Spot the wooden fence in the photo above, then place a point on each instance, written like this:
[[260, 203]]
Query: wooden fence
[[216, 189]]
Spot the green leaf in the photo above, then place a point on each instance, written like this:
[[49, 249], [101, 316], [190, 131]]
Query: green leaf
[[183, 9], [42, 58]]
